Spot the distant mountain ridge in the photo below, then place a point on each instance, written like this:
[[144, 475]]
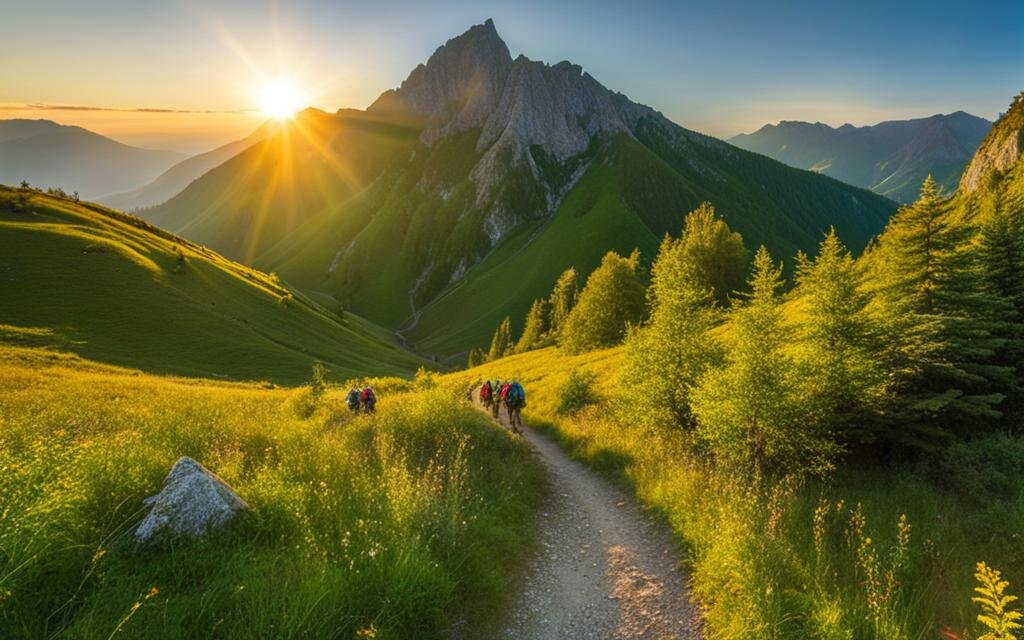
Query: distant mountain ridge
[[891, 158], [171, 182], [463, 193], [48, 154]]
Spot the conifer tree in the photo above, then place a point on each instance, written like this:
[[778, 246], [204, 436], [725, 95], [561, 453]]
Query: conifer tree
[[839, 350], [750, 411], [475, 358], [562, 300], [940, 323], [712, 252], [690, 275], [501, 343], [612, 299], [534, 328], [1001, 255]]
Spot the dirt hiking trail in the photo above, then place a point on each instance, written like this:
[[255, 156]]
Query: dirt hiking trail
[[604, 569]]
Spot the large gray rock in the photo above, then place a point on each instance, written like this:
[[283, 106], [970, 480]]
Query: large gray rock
[[192, 503]]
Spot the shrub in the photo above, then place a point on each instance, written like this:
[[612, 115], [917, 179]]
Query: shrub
[[983, 469], [318, 381], [577, 393]]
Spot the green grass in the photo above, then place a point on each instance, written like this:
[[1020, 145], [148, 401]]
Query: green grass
[[758, 567], [407, 523], [526, 266], [111, 288]]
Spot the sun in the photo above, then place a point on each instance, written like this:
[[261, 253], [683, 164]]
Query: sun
[[279, 99]]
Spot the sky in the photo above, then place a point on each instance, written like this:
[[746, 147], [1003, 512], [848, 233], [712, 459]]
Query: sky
[[718, 67]]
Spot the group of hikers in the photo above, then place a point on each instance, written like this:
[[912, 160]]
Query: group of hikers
[[364, 400], [493, 395], [510, 394]]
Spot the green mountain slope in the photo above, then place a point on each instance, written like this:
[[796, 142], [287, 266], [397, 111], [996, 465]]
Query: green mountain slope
[[478, 157], [248, 203], [173, 181], [890, 158], [112, 288]]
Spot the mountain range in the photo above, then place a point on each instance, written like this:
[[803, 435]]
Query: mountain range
[[458, 197], [174, 180], [48, 154], [890, 158]]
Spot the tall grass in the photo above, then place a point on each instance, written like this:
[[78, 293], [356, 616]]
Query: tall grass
[[875, 551], [394, 526]]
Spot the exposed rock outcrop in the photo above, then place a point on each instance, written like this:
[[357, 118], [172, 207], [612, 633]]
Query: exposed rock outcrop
[[192, 503], [472, 82], [997, 154]]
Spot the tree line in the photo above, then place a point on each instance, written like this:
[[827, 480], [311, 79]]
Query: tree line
[[908, 347]]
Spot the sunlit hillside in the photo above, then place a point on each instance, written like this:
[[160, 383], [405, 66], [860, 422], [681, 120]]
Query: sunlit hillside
[[785, 560], [113, 288], [395, 526]]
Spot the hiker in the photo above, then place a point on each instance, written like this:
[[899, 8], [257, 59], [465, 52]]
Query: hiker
[[515, 400], [369, 400], [485, 394], [353, 399], [495, 399]]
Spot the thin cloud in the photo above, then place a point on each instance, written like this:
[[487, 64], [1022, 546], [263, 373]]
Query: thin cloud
[[38, 106]]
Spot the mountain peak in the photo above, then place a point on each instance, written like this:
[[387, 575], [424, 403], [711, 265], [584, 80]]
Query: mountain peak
[[461, 80]]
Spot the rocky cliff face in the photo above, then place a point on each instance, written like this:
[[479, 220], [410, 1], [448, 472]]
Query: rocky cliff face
[[472, 82], [1000, 150]]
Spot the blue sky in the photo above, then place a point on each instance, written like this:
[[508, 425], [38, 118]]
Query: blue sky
[[719, 67]]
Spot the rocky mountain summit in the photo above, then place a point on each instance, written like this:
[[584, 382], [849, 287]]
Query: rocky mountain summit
[[522, 108]]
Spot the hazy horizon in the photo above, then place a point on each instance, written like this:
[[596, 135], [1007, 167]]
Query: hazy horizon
[[716, 71]]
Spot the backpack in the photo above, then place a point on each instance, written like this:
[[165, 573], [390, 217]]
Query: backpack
[[353, 398], [515, 394], [504, 391], [485, 391], [367, 394]]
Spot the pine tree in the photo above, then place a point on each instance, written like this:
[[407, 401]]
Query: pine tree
[[712, 252], [475, 358], [501, 343], [839, 350], [562, 300], [1001, 255], [750, 411], [690, 275], [612, 299], [534, 328], [941, 324]]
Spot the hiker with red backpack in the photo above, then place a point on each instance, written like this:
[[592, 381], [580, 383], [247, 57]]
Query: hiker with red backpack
[[486, 394], [514, 397], [369, 400]]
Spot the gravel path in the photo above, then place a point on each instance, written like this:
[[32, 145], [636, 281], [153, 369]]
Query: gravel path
[[605, 570]]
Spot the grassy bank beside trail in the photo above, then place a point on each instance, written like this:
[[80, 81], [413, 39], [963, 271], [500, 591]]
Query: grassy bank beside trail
[[874, 551], [400, 525]]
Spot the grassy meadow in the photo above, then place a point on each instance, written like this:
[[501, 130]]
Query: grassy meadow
[[876, 551], [89, 280], [400, 525]]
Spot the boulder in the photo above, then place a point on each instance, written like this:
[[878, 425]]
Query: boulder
[[192, 503]]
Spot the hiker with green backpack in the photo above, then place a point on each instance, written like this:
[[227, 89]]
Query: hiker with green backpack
[[495, 399]]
